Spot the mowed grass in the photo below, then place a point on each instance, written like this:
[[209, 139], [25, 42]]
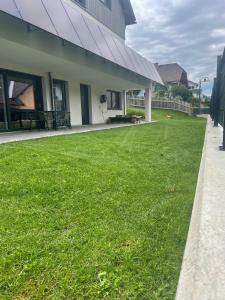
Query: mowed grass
[[100, 215]]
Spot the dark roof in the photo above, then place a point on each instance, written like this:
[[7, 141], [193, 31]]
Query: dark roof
[[171, 72], [128, 12], [72, 25]]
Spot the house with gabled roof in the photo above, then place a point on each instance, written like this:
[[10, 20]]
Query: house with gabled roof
[[172, 74], [66, 62]]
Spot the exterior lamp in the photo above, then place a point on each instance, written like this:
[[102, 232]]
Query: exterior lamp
[[202, 80]]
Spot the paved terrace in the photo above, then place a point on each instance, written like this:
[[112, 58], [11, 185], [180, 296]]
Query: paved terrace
[[203, 271], [15, 136]]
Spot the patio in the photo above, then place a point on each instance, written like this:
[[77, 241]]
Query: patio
[[15, 136]]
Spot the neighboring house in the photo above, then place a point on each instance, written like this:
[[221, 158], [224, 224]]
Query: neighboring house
[[194, 88], [172, 74], [67, 56]]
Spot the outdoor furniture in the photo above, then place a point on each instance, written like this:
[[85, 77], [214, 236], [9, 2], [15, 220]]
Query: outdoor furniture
[[45, 120], [125, 119], [61, 120]]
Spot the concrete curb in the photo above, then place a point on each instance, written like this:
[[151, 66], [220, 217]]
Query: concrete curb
[[203, 269], [11, 137]]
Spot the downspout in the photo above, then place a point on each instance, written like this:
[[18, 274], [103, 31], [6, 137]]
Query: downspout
[[51, 91], [52, 100], [124, 102]]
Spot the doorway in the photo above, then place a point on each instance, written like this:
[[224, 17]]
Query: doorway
[[84, 93]]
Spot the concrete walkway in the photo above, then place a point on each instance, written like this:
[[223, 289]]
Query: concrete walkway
[[203, 271], [15, 136]]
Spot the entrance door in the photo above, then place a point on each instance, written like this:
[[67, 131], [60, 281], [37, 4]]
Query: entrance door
[[3, 116], [84, 104]]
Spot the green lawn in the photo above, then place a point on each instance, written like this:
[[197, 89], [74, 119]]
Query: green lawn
[[99, 215]]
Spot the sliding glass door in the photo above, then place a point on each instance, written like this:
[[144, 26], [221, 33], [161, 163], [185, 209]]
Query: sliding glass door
[[3, 114], [59, 93], [20, 100]]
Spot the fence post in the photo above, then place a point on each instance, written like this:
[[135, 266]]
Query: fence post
[[222, 148], [217, 96]]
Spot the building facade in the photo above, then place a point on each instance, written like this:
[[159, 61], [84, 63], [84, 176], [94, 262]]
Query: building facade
[[68, 59], [195, 89]]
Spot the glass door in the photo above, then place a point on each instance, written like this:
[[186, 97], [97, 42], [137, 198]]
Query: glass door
[[59, 95], [24, 99], [3, 114]]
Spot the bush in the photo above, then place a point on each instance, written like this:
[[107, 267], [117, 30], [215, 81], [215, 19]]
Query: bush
[[181, 91], [136, 111]]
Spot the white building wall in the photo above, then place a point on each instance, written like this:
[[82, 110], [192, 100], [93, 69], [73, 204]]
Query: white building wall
[[100, 113], [74, 102], [38, 53]]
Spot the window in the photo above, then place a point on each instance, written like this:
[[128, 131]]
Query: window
[[21, 94], [114, 100], [107, 3], [59, 92], [23, 99], [81, 2]]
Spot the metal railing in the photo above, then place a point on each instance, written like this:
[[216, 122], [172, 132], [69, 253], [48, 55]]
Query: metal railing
[[217, 107]]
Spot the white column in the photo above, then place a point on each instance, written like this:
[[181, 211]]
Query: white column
[[148, 103], [125, 102]]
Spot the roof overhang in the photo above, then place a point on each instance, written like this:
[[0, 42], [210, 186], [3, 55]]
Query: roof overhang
[[70, 24]]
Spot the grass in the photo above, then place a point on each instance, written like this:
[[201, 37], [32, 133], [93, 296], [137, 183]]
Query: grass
[[158, 114], [100, 215]]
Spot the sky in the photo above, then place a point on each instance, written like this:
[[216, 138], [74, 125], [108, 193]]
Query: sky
[[189, 32]]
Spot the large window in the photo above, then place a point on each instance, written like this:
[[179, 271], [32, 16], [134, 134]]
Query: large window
[[107, 3], [59, 95], [20, 100], [81, 2], [21, 94], [114, 100]]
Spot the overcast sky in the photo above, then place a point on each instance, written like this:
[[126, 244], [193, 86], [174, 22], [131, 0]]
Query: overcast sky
[[190, 32]]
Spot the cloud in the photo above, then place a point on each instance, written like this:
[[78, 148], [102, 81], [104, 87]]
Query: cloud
[[190, 32]]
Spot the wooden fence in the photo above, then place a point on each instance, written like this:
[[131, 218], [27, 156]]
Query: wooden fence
[[175, 104], [164, 104]]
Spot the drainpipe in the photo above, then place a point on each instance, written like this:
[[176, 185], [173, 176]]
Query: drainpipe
[[223, 145], [52, 99], [125, 102], [51, 91]]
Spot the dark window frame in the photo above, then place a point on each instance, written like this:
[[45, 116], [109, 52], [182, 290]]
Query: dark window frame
[[63, 85], [8, 74], [107, 3], [110, 101], [81, 3]]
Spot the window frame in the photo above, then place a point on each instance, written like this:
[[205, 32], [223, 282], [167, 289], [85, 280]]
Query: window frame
[[78, 2], [62, 83], [107, 4], [109, 101]]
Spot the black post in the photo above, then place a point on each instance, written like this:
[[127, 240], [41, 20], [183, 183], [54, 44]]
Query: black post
[[222, 148], [217, 93], [52, 100], [51, 90]]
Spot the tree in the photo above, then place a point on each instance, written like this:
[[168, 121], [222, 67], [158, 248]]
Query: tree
[[181, 91]]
